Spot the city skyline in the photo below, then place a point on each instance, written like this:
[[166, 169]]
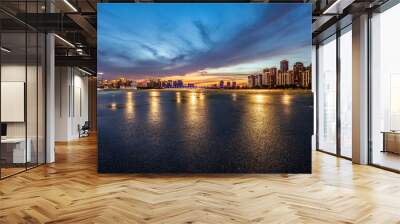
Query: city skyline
[[275, 77], [201, 44]]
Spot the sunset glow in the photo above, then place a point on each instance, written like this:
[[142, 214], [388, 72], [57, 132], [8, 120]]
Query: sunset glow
[[199, 43]]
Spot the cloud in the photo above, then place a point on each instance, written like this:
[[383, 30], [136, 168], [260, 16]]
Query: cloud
[[274, 32], [204, 33]]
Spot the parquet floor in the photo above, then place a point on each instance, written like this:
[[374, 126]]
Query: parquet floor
[[71, 191]]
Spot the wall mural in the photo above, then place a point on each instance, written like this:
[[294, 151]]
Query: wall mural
[[204, 88]]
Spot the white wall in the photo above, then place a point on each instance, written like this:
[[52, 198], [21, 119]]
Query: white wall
[[71, 102], [16, 72], [33, 127]]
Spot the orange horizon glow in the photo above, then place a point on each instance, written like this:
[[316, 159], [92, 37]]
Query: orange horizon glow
[[199, 78]]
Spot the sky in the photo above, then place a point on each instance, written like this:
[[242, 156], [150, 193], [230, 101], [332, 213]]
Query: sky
[[202, 42]]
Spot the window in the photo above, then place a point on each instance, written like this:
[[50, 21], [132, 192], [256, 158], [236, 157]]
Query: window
[[346, 92], [327, 96], [385, 89]]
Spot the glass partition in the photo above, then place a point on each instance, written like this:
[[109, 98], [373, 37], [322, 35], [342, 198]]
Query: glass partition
[[22, 88], [385, 89], [13, 114], [327, 95], [346, 92]]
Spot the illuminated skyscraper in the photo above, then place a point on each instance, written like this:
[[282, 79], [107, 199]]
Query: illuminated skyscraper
[[284, 65], [251, 81], [273, 73], [298, 68], [233, 84]]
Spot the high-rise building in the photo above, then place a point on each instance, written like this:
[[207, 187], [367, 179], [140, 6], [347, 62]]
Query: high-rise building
[[221, 84], [273, 73], [260, 80], [251, 81], [306, 78], [266, 76], [284, 65], [233, 84], [298, 68], [228, 84], [280, 80], [180, 84], [291, 79]]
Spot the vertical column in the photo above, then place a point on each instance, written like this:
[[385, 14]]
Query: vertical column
[[92, 101], [338, 91], [360, 90], [314, 90], [50, 92]]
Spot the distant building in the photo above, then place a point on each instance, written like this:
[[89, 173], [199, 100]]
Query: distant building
[[260, 80], [228, 84], [233, 84], [280, 80], [306, 78], [154, 84], [265, 76], [273, 73], [142, 84], [180, 83], [286, 75], [284, 65], [221, 84], [251, 81], [298, 68]]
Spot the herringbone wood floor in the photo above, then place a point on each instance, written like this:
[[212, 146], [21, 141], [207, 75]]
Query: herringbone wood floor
[[71, 191]]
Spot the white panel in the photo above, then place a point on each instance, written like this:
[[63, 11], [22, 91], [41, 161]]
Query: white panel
[[12, 101]]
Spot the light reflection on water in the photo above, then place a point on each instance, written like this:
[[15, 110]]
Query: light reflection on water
[[259, 98], [206, 131], [286, 99], [154, 115], [113, 106], [234, 96], [129, 112], [178, 97]]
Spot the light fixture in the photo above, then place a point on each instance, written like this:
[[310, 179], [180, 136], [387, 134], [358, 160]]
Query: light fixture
[[338, 6], [5, 50], [86, 72], [64, 40], [70, 5]]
